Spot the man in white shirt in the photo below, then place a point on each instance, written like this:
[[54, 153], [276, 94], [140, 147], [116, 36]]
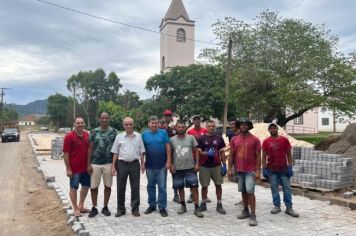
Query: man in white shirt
[[127, 150]]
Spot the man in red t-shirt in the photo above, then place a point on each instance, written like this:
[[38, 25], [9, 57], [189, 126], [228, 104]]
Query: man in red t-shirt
[[196, 131], [277, 166], [75, 149], [246, 160]]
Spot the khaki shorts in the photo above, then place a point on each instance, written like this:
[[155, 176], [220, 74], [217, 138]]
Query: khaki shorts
[[207, 173], [98, 171]]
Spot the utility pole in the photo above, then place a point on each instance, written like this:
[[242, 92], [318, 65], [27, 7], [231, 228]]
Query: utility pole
[[74, 115], [227, 85], [2, 108]]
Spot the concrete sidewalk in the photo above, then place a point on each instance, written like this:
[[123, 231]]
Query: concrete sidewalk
[[316, 217]]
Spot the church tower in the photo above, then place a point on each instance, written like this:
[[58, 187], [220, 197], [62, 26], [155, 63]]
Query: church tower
[[177, 37]]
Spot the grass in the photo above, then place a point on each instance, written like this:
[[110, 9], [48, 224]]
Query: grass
[[313, 138]]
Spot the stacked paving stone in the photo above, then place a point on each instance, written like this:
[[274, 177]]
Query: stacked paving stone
[[316, 169], [57, 148]]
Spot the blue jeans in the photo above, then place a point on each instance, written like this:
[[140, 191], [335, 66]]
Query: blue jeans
[[157, 177], [274, 179]]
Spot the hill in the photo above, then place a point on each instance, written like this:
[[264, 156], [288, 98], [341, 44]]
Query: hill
[[38, 107]]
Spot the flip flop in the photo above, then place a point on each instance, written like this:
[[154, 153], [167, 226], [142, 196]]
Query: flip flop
[[84, 210], [77, 214]]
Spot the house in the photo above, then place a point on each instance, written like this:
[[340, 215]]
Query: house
[[28, 120]]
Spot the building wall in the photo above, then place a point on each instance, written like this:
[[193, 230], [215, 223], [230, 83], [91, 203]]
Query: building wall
[[27, 123], [326, 121], [176, 53], [307, 124]]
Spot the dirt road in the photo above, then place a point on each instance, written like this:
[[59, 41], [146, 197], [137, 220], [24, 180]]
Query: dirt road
[[27, 206]]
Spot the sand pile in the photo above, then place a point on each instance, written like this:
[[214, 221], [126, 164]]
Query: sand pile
[[346, 145], [260, 130]]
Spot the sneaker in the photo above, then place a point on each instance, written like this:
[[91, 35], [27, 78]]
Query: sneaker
[[105, 211], [93, 212], [163, 212], [176, 198], [220, 209], [244, 214], [190, 199], [275, 210], [198, 213], [291, 212], [252, 221], [150, 210], [182, 210], [120, 213], [203, 206]]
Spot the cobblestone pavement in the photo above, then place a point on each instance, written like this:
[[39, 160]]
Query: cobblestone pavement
[[316, 217]]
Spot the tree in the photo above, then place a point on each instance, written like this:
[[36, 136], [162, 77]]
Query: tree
[[283, 67], [92, 87], [194, 89], [129, 100], [58, 110], [10, 114]]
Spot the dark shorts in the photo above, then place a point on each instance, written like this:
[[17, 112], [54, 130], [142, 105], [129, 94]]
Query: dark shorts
[[185, 178], [79, 178]]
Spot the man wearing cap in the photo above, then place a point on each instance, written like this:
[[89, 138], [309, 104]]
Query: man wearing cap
[[210, 147], [246, 161], [277, 164]]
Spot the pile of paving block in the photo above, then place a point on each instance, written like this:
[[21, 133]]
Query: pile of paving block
[[57, 148], [316, 169]]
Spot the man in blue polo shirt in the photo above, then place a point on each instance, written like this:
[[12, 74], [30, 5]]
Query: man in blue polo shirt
[[157, 148]]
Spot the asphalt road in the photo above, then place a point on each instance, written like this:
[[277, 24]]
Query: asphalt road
[[27, 206]]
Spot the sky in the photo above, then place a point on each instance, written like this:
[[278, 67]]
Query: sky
[[41, 46]]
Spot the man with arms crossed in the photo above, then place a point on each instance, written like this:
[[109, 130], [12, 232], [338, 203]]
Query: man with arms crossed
[[211, 157], [100, 161], [127, 150], [158, 151], [75, 149], [246, 160], [184, 170], [277, 162]]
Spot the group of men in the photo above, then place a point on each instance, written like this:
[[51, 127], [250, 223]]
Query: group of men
[[106, 153]]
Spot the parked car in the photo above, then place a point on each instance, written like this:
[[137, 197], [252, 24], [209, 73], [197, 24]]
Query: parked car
[[44, 128], [10, 134]]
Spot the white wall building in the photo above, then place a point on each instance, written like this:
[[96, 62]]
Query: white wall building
[[177, 37], [326, 121]]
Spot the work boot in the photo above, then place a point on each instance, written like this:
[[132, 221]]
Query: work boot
[[198, 213], [150, 210], [203, 206], [163, 212], [176, 198], [105, 211], [291, 212], [244, 214], [93, 212], [275, 210], [190, 199], [220, 209], [252, 221], [182, 210]]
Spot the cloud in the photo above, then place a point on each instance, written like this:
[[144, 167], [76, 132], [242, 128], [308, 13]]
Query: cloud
[[42, 46]]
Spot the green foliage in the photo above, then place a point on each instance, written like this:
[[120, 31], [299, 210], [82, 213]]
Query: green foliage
[[9, 115], [129, 100], [194, 89], [58, 110], [283, 67], [93, 87], [43, 120]]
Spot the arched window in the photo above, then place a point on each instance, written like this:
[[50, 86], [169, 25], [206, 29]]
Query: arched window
[[163, 63], [181, 35]]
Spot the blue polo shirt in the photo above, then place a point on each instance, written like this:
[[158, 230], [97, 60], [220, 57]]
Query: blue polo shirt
[[155, 145]]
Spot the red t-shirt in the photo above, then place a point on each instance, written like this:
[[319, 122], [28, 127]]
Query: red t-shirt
[[77, 149], [197, 132], [245, 149], [277, 150]]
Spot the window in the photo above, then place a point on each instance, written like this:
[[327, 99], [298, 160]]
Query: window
[[163, 63], [298, 120], [324, 121], [181, 35]]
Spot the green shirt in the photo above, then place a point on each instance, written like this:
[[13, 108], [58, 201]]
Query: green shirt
[[102, 141]]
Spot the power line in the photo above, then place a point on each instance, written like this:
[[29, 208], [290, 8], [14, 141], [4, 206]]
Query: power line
[[118, 22]]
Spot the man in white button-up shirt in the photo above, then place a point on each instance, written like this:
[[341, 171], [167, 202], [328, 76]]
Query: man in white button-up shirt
[[128, 150]]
